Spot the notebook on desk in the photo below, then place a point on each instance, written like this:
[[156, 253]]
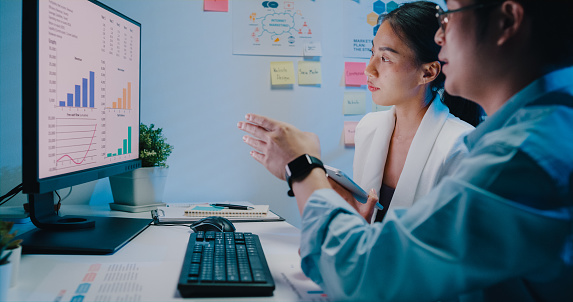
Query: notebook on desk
[[185, 214], [204, 210]]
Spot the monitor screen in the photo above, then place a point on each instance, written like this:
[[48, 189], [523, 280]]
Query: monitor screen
[[81, 98], [81, 72], [88, 87]]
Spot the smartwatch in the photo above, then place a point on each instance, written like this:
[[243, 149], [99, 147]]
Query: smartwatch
[[299, 168]]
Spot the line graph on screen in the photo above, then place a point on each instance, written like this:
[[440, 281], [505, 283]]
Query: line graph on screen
[[76, 141]]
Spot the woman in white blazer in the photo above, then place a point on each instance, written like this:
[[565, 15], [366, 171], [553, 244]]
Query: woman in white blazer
[[434, 151], [402, 153]]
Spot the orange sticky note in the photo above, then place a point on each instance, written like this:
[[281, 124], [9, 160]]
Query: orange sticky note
[[354, 73], [349, 129], [216, 5]]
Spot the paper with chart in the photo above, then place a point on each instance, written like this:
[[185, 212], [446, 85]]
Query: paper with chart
[[82, 282], [279, 28]]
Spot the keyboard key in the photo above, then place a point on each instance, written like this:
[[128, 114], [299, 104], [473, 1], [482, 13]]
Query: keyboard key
[[194, 269], [246, 276], [259, 275], [196, 258], [210, 235]]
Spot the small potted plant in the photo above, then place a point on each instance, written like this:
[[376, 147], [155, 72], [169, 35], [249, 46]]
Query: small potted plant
[[141, 189], [10, 251]]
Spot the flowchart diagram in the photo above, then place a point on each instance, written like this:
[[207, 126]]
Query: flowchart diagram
[[274, 27]]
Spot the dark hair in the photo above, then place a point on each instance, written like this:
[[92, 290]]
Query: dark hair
[[552, 28], [416, 24]]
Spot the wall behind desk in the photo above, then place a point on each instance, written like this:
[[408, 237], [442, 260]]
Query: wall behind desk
[[194, 88]]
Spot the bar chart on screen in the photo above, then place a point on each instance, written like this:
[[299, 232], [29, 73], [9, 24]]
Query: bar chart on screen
[[124, 147], [123, 102], [83, 96]]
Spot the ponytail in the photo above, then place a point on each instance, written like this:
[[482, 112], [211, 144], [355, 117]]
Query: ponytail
[[461, 108], [464, 109]]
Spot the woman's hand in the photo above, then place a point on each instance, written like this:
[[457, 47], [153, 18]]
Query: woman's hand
[[277, 143], [364, 209]]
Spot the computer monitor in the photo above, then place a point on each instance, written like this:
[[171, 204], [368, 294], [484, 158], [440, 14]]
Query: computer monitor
[[80, 113]]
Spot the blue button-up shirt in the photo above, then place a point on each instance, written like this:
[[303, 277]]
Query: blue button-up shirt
[[499, 228]]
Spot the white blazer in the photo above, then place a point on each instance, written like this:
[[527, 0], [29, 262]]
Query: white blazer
[[435, 151]]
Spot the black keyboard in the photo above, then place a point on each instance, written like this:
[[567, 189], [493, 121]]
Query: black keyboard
[[225, 264]]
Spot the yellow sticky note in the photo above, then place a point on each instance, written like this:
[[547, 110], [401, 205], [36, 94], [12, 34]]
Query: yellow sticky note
[[309, 73], [354, 103], [349, 130], [282, 73]]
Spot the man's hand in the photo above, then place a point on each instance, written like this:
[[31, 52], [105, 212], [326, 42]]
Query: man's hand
[[277, 143]]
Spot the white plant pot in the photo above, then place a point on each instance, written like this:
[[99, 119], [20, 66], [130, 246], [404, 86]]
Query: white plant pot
[[143, 186], [14, 259], [5, 275]]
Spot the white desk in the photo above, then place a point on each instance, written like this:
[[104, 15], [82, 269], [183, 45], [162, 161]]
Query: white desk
[[157, 255]]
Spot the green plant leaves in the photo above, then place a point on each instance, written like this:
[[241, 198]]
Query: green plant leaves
[[153, 148]]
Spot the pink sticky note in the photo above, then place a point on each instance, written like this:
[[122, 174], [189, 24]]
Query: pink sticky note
[[216, 5], [354, 73], [349, 128]]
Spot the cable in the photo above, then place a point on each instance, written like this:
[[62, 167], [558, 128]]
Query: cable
[[11, 194], [171, 224], [60, 199], [69, 193], [19, 188], [59, 203]]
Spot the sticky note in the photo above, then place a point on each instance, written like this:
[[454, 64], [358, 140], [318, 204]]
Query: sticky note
[[349, 130], [376, 107], [282, 73], [312, 49], [354, 103], [216, 5], [309, 73], [354, 73]]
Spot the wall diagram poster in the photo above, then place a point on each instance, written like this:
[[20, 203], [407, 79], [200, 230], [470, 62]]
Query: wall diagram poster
[[279, 28], [360, 24]]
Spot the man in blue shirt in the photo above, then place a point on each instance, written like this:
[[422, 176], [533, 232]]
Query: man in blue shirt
[[500, 228]]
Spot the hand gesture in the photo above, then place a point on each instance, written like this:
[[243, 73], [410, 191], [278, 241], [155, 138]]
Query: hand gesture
[[277, 143]]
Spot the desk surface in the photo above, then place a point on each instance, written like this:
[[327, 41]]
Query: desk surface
[[148, 267]]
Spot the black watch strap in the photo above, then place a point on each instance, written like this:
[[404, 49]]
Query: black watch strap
[[299, 168]]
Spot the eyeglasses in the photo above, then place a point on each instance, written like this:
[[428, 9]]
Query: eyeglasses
[[443, 15]]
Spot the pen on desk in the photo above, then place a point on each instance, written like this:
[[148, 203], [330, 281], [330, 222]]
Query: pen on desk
[[231, 206]]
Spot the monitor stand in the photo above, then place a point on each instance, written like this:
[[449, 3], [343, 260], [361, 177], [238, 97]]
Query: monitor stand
[[76, 234]]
